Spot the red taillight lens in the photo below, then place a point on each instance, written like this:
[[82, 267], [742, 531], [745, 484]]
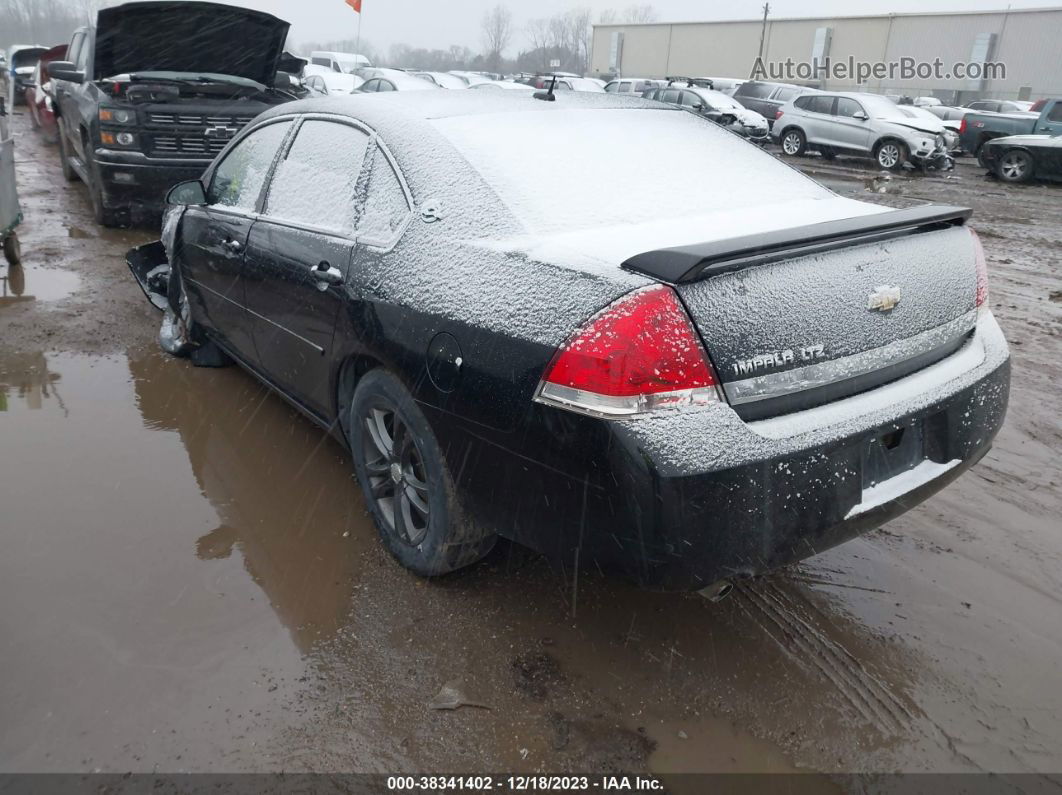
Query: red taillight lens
[[637, 355], [982, 270], [778, 114], [962, 125]]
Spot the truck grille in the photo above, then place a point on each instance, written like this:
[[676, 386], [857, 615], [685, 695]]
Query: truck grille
[[185, 134], [178, 145], [197, 120]]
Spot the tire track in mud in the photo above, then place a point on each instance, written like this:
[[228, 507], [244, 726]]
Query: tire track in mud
[[780, 617]]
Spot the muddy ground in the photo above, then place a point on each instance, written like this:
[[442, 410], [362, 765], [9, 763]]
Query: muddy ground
[[189, 581]]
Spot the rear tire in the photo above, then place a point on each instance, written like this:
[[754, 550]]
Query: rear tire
[[407, 485], [794, 142], [12, 249], [1015, 165], [891, 155], [828, 154]]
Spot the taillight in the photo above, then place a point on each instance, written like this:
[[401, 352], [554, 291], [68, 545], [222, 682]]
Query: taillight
[[778, 114], [962, 125], [982, 270], [637, 355]]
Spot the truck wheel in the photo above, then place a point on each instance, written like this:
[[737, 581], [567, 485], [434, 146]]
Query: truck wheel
[[104, 215], [891, 155], [12, 249], [1016, 165], [794, 142], [407, 485], [64, 157]]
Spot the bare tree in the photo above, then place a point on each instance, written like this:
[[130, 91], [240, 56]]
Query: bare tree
[[580, 37], [608, 17], [497, 31], [538, 34], [640, 13]]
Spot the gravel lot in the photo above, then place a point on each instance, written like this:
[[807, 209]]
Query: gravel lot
[[189, 580]]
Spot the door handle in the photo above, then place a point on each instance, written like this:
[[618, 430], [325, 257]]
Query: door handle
[[326, 274], [233, 245]]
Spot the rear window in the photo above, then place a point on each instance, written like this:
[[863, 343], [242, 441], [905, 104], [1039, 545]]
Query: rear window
[[578, 184], [755, 90]]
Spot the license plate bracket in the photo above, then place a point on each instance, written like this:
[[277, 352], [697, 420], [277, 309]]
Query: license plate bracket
[[889, 454]]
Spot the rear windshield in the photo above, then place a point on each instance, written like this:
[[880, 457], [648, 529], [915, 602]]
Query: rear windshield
[[560, 170], [27, 57]]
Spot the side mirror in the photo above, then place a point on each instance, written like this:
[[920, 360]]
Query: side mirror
[[187, 193], [64, 70], [860, 115]]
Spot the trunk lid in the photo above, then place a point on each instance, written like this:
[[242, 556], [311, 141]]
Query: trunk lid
[[188, 37]]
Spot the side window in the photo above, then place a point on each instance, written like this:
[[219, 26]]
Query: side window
[[318, 61], [74, 52], [385, 203], [803, 103], [671, 96], [784, 94], [689, 99], [314, 183], [755, 90], [1055, 114], [238, 179], [384, 85], [369, 86], [816, 104], [83, 53], [612, 88], [848, 108]]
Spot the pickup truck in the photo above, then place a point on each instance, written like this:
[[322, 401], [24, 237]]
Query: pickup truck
[[154, 90], [976, 128]]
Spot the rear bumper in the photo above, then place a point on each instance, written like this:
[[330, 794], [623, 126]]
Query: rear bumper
[[129, 179], [689, 498]]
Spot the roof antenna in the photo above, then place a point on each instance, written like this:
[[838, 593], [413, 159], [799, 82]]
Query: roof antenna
[[547, 95]]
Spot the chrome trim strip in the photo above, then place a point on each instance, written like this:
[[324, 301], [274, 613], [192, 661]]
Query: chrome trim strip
[[247, 309], [800, 379]]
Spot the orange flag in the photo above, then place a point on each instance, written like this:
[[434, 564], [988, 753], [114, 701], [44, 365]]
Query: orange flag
[[355, 4]]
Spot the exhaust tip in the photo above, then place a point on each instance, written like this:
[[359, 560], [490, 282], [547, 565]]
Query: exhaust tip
[[717, 591]]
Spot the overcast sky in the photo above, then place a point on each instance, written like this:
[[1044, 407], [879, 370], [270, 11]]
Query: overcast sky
[[440, 23]]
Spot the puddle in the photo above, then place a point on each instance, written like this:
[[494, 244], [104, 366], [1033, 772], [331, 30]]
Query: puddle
[[21, 283]]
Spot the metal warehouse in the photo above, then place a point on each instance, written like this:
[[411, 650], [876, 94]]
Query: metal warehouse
[[1025, 41]]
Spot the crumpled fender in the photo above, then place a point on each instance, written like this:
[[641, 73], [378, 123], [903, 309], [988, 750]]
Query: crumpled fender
[[150, 267]]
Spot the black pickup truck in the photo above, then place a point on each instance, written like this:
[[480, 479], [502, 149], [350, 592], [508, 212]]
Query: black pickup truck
[[978, 128], [154, 91]]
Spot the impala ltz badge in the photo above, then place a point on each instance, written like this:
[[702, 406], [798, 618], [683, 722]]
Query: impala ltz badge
[[774, 359], [883, 299]]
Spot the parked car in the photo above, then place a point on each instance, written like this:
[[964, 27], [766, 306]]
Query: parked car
[[471, 78], [562, 81], [979, 127], [632, 85], [333, 83], [377, 80], [947, 112], [950, 129], [345, 62], [501, 85], [926, 102], [21, 61], [137, 118], [868, 125], [442, 79], [1020, 158], [646, 363], [999, 106], [727, 85], [767, 98], [40, 96], [716, 106]]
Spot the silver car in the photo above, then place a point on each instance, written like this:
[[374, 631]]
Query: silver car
[[861, 124]]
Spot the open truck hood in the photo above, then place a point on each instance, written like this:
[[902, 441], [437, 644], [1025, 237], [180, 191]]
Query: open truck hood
[[183, 36]]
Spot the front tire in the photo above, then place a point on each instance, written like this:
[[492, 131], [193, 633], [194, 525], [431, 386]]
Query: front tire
[[64, 156], [407, 485], [891, 155], [1016, 165], [794, 143]]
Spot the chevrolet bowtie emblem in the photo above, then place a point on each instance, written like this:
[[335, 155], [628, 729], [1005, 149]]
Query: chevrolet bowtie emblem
[[883, 299]]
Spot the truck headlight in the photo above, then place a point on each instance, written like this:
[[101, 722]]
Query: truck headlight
[[124, 140], [117, 116]]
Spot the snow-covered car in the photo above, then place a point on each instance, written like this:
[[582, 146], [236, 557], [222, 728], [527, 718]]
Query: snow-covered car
[[442, 79], [501, 85], [471, 78], [722, 109], [868, 125], [385, 80], [333, 83], [1020, 158], [633, 85], [664, 371]]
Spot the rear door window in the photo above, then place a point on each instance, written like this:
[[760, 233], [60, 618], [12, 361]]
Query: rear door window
[[314, 184], [784, 94], [671, 95], [816, 104], [238, 179], [385, 207], [1055, 114], [755, 90], [848, 107]]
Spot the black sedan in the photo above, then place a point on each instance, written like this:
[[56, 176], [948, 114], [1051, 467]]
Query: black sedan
[[1020, 158], [655, 370]]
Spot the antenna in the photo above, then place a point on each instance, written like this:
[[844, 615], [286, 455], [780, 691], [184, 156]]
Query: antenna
[[547, 95]]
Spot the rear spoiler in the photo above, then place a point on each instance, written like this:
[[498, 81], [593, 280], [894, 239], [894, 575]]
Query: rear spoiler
[[700, 260]]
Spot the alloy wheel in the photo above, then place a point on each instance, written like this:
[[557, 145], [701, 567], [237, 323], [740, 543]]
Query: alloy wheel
[[791, 144], [889, 156], [1013, 166], [397, 479]]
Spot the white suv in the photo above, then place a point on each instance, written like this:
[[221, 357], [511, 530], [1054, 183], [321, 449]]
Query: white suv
[[861, 124]]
